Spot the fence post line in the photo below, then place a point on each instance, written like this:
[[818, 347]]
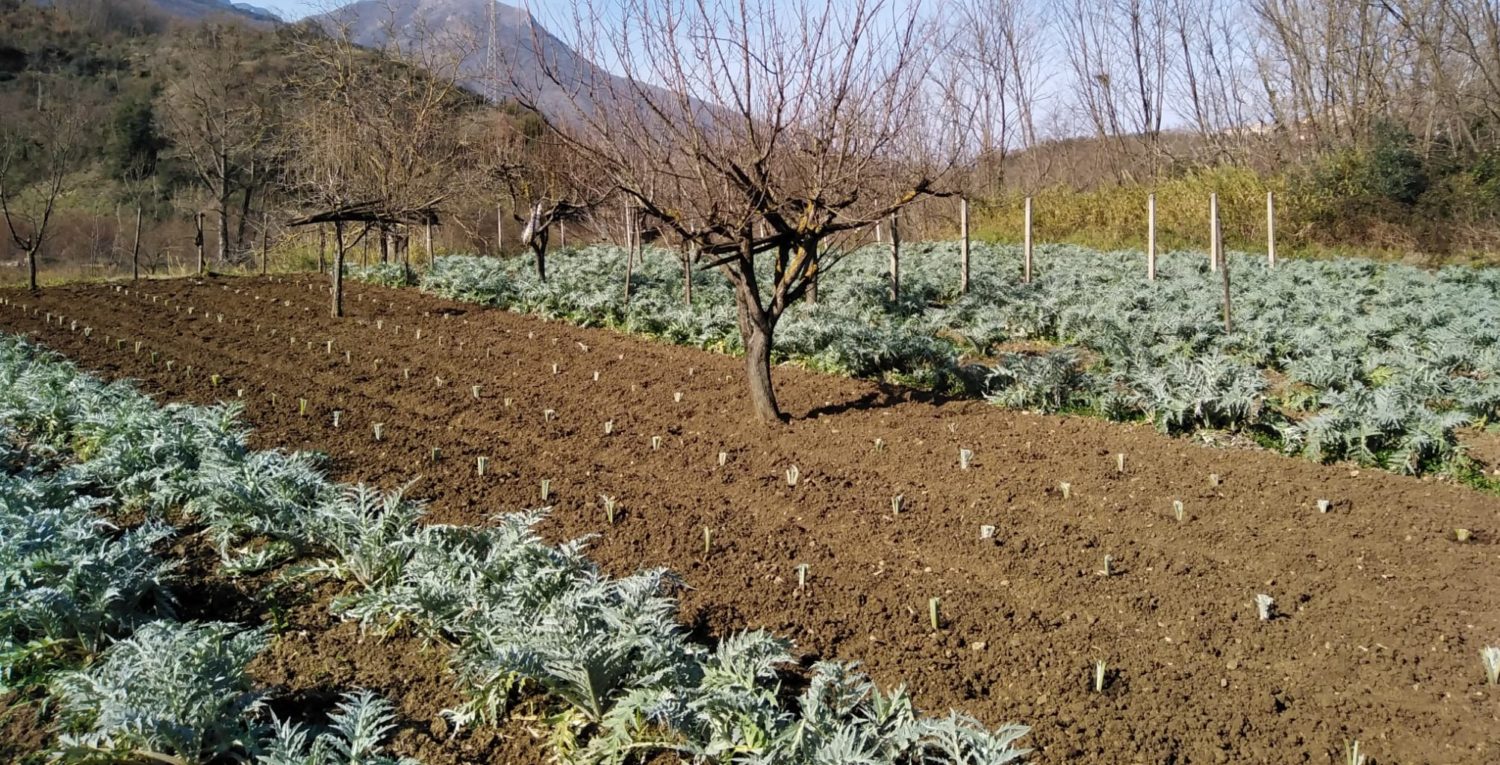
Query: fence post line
[[1151, 237], [963, 247], [1213, 231], [1026, 276], [1271, 228]]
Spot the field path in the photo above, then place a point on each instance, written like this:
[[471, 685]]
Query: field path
[[1382, 613]]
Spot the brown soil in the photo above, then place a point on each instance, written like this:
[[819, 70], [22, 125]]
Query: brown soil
[[1383, 614]]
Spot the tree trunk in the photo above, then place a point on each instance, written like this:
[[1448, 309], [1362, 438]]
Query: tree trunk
[[199, 241], [135, 249], [31, 265], [265, 250], [322, 249], [687, 274], [758, 373], [385, 246], [539, 251], [338, 269]]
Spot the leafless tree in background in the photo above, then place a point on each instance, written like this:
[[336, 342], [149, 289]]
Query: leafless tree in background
[[379, 136], [216, 124], [1119, 53], [44, 158], [756, 129]]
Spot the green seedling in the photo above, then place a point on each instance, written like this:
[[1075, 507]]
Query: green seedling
[[379, 430], [965, 456], [481, 463], [1101, 675], [897, 502], [1177, 510], [609, 508], [1066, 489], [792, 476]]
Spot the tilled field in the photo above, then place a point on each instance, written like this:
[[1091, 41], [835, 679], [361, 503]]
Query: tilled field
[[1382, 613]]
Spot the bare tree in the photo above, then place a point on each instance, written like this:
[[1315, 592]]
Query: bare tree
[[375, 137], [216, 118], [752, 129], [1120, 56], [34, 166]]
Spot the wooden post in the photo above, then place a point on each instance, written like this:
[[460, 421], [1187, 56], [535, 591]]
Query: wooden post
[[499, 230], [322, 249], [1026, 277], [265, 250], [1151, 237], [562, 233], [629, 266], [963, 245], [635, 235], [1271, 228], [338, 269], [895, 258], [1224, 271], [1213, 231], [198, 240], [135, 249], [878, 237], [429, 242]]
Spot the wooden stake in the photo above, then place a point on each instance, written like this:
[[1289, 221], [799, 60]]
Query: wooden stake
[[1026, 277], [1224, 270], [963, 246], [429, 243], [1151, 238], [1213, 231], [198, 240], [499, 230], [135, 249], [895, 259], [1271, 228], [338, 269]]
